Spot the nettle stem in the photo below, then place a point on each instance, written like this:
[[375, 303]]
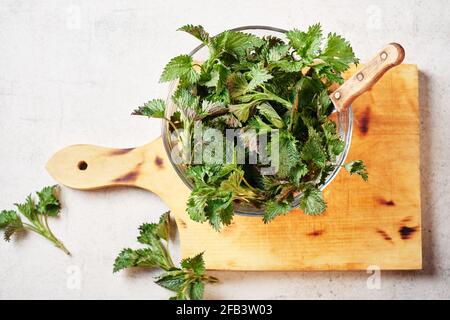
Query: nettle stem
[[43, 229]]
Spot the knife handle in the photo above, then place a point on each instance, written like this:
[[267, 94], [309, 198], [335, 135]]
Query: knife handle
[[389, 57]]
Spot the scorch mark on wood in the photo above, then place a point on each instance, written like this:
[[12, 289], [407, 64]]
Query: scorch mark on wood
[[159, 162], [130, 176], [364, 120], [384, 235], [315, 233], [118, 152], [406, 232], [386, 202]]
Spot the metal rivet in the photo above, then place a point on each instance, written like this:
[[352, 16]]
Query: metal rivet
[[383, 55], [337, 95], [360, 76]]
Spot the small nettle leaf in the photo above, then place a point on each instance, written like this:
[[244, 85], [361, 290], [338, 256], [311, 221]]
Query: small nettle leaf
[[274, 209], [178, 67], [237, 84], [306, 44], [235, 42], [197, 203], [196, 290], [125, 259], [278, 52], [298, 173], [258, 76], [172, 280], [312, 150], [28, 208], [8, 217], [241, 111], [357, 167], [163, 229], [48, 201], [270, 114], [196, 31], [288, 153], [155, 108], [11, 222], [196, 264], [218, 78], [311, 201], [338, 53]]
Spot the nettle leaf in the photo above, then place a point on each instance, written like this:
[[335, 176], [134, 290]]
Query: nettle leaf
[[180, 66], [277, 52], [306, 44], [311, 201], [28, 208], [173, 280], [9, 217], [258, 76], [274, 208], [220, 209], [197, 203], [187, 103], [237, 84], [195, 264], [11, 222], [298, 173], [241, 111], [144, 258], [312, 150], [196, 290], [218, 78], [163, 229], [288, 154], [357, 167], [338, 53], [270, 114], [48, 201], [196, 31], [235, 42], [126, 259], [155, 108]]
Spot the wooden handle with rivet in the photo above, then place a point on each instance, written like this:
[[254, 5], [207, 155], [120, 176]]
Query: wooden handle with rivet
[[389, 57]]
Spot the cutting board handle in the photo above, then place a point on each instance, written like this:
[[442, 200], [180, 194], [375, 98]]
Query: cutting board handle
[[389, 57], [88, 167]]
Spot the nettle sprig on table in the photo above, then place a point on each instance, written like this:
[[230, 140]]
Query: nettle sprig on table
[[187, 281], [259, 85], [37, 214]]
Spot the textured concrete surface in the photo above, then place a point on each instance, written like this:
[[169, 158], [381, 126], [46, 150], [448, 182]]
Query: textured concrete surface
[[71, 72]]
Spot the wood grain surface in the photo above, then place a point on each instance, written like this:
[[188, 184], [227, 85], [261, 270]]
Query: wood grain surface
[[374, 223]]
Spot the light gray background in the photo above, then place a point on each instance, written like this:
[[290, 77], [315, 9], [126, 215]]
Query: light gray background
[[72, 71]]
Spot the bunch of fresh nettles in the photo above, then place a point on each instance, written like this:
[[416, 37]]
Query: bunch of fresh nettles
[[188, 282], [37, 215], [259, 85]]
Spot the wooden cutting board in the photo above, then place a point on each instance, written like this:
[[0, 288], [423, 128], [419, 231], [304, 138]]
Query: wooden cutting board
[[375, 223]]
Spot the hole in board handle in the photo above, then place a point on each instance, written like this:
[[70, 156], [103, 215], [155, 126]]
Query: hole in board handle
[[82, 165]]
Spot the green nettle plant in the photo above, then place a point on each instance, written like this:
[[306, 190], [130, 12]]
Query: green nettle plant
[[187, 281], [259, 85], [37, 215]]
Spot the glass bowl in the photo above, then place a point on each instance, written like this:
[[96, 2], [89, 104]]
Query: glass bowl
[[344, 123]]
